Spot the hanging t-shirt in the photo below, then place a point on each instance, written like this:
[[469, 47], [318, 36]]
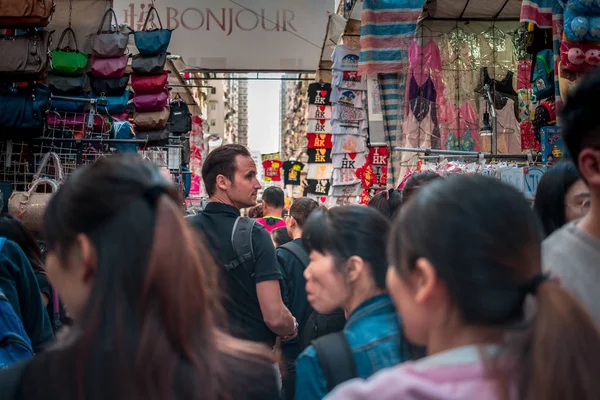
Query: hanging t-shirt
[[319, 156], [349, 144], [349, 160], [348, 97], [342, 201], [318, 112], [318, 186], [349, 80], [319, 141], [319, 171], [357, 128], [345, 176], [345, 58], [291, 172], [272, 170], [318, 126], [345, 113], [322, 200], [348, 190], [319, 94], [378, 155]]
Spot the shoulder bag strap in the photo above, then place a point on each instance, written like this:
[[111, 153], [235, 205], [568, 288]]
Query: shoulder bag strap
[[57, 167], [298, 252], [152, 9], [111, 14], [241, 241], [72, 35], [335, 358]]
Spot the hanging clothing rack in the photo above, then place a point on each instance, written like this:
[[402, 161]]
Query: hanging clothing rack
[[429, 152]]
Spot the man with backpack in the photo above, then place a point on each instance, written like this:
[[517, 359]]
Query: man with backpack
[[273, 202], [251, 276], [293, 259]]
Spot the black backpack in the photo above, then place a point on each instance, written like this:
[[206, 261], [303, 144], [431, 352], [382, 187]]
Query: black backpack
[[335, 358], [180, 120], [313, 325]]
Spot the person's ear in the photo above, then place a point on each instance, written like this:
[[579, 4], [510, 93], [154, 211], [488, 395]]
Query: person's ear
[[589, 166], [425, 281], [84, 258], [223, 182], [355, 267]]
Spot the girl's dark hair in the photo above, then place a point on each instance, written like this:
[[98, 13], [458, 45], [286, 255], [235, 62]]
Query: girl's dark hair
[[417, 181], [13, 229], [484, 242], [280, 236], [350, 231], [550, 197], [149, 328], [387, 202]]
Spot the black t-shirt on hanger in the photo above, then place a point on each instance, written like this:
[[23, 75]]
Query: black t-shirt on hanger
[[319, 94], [319, 156], [318, 186], [291, 172]]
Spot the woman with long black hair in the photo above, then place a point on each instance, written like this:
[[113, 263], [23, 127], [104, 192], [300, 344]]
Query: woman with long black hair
[[143, 291]]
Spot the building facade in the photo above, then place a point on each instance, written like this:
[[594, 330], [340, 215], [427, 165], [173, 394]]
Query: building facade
[[293, 118], [216, 109], [236, 109]]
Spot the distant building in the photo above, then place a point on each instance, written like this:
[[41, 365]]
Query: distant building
[[293, 118], [216, 109], [236, 110]]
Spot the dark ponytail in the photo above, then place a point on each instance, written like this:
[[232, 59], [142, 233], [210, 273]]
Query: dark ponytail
[[484, 242], [560, 355]]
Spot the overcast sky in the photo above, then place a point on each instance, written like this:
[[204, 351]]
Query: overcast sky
[[263, 115]]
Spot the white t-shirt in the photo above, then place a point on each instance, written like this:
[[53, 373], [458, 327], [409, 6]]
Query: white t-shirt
[[345, 176], [349, 144], [348, 97], [573, 256], [345, 113], [319, 171], [349, 160], [349, 80], [345, 58], [358, 128], [318, 126]]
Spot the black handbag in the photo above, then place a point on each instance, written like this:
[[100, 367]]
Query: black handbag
[[24, 107], [156, 138], [110, 87], [180, 120], [149, 65], [67, 84]]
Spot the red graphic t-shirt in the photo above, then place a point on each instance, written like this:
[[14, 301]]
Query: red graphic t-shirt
[[272, 170], [319, 141]]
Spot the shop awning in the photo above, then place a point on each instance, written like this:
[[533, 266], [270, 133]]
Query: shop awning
[[473, 9]]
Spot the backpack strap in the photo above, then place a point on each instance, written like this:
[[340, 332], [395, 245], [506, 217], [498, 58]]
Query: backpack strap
[[335, 358], [298, 252], [241, 241]]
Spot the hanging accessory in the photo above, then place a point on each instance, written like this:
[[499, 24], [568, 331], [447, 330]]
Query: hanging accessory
[[25, 13], [148, 65], [66, 60], [155, 41], [25, 58], [110, 43]]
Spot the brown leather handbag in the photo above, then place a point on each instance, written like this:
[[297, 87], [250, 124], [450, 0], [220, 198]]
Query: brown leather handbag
[[25, 57], [150, 121], [25, 13], [30, 206]]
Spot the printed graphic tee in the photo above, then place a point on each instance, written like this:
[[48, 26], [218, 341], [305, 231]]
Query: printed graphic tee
[[319, 171], [346, 58], [345, 113], [349, 160], [348, 97], [319, 112], [319, 156], [349, 144], [349, 80], [318, 186], [291, 172], [319, 141], [318, 126], [319, 94], [272, 170]]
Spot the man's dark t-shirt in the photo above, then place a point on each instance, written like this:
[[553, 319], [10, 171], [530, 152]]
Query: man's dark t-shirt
[[241, 303]]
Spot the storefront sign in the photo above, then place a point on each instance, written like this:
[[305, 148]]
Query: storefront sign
[[239, 34]]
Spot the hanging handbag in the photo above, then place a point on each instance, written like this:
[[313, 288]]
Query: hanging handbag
[[25, 13], [110, 87], [109, 68], [157, 138], [67, 84], [25, 57], [151, 84], [154, 41], [70, 105], [24, 107], [110, 43], [148, 65], [150, 121], [114, 104], [124, 131], [57, 121], [151, 102], [68, 61], [30, 206]]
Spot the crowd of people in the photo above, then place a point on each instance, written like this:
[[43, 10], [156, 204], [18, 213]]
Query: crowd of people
[[451, 288]]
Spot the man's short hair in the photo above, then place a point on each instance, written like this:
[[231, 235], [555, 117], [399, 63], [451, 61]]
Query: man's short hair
[[274, 197], [301, 210], [580, 123], [221, 161]]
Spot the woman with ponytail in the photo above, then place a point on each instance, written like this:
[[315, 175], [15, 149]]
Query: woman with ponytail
[[143, 291], [465, 257]]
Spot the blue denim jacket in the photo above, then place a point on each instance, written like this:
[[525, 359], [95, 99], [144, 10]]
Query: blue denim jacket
[[374, 333]]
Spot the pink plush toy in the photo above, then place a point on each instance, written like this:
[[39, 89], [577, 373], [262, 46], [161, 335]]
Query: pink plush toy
[[592, 55], [572, 55]]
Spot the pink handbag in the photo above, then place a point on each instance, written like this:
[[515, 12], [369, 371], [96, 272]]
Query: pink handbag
[[149, 84], [57, 121], [109, 68], [151, 102]]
